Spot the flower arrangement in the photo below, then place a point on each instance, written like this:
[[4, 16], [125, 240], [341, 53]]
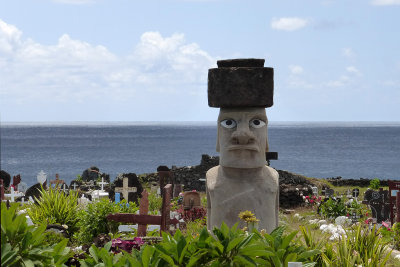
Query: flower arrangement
[[118, 244]]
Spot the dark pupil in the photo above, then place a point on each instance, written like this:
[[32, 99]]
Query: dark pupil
[[256, 122], [228, 122]]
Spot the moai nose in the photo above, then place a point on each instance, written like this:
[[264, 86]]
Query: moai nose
[[242, 137]]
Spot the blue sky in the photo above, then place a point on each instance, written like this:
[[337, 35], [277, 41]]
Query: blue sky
[[125, 60]]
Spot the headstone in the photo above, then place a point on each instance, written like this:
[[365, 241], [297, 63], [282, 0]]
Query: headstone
[[16, 181], [41, 177], [314, 190], [143, 210], [191, 200], [22, 187], [12, 194], [356, 192], [394, 189], [178, 188], [64, 188], [166, 176], [329, 192], [117, 197], [125, 189], [349, 194], [379, 204], [83, 200], [57, 182], [74, 185], [102, 183], [133, 181]]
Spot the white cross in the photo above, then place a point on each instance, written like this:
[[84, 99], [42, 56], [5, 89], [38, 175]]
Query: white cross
[[102, 183], [125, 189], [74, 185], [64, 187], [12, 194]]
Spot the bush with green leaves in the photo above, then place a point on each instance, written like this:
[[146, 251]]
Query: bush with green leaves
[[375, 183], [155, 202], [23, 245], [396, 232], [331, 209], [93, 221], [55, 207]]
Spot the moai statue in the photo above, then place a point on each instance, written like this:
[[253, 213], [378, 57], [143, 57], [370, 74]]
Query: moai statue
[[242, 89]]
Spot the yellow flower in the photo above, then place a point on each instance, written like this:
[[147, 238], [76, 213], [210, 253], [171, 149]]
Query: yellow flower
[[248, 216]]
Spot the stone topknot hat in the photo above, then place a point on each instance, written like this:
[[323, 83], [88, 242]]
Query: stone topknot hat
[[240, 83]]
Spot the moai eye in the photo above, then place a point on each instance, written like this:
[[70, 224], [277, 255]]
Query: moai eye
[[228, 123], [256, 123]]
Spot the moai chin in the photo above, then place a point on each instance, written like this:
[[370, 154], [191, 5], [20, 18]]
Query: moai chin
[[242, 89]]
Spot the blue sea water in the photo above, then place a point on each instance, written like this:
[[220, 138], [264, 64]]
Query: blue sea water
[[350, 150]]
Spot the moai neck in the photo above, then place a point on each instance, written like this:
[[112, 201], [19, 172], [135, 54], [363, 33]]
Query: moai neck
[[241, 173]]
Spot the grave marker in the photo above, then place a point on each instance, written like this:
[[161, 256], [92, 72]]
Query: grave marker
[[2, 189], [379, 204], [166, 176], [191, 200], [394, 189], [102, 183], [164, 220], [314, 190], [22, 187], [74, 185], [125, 189], [356, 192], [16, 181], [117, 198], [143, 210], [41, 177], [57, 181]]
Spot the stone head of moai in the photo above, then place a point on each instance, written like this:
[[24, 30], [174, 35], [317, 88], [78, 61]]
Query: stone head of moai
[[242, 89]]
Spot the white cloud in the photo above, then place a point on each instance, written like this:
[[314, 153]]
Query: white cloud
[[385, 2], [348, 52], [295, 69], [289, 23], [74, 70], [353, 70]]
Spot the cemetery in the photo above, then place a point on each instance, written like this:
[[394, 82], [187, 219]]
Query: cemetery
[[234, 210]]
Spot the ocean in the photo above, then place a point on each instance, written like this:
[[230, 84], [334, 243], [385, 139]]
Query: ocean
[[315, 149]]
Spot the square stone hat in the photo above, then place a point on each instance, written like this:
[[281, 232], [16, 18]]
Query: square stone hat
[[240, 83]]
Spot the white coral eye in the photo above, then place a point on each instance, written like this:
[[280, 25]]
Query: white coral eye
[[228, 123], [257, 123]]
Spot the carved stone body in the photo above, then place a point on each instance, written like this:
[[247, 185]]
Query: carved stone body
[[231, 191]]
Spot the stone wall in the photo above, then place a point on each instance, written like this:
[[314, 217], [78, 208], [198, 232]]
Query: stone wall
[[362, 182]]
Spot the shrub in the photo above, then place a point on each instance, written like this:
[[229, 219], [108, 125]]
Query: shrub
[[375, 183], [23, 245], [332, 209], [155, 202], [93, 221], [396, 231], [55, 207]]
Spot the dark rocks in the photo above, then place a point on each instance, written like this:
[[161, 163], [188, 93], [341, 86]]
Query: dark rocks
[[34, 191], [291, 196], [240, 83], [91, 174], [362, 182], [6, 178]]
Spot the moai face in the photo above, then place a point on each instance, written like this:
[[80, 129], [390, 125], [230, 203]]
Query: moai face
[[242, 137]]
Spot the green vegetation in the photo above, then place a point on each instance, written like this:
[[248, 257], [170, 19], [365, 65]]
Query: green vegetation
[[92, 221], [374, 184], [55, 207], [23, 245]]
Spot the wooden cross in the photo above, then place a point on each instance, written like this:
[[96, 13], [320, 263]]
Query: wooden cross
[[2, 189], [164, 220], [102, 183], [143, 210], [125, 189], [56, 181]]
